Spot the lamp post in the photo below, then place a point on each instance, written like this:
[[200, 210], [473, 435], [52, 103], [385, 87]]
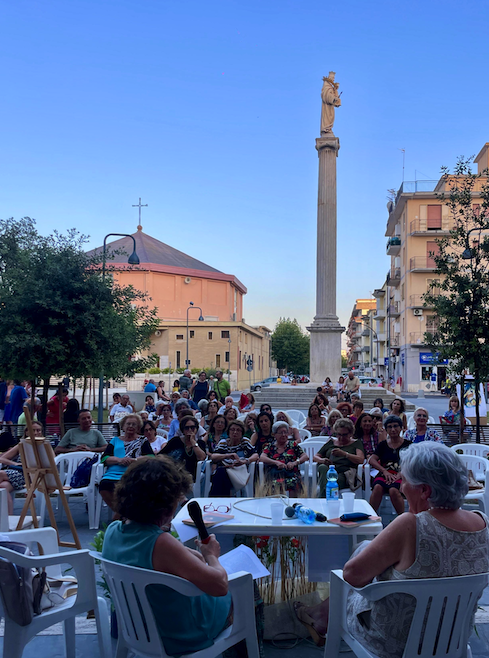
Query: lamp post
[[368, 326], [229, 362], [201, 319], [132, 260]]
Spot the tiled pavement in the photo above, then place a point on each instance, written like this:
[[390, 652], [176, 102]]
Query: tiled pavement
[[52, 646]]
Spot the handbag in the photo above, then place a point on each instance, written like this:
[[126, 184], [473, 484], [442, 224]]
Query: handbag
[[238, 476]]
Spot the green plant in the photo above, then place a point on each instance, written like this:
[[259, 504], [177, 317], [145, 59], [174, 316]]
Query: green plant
[[154, 371], [97, 544]]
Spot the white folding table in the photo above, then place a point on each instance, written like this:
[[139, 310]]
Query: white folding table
[[329, 545]]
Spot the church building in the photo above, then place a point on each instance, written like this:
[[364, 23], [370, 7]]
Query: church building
[[195, 297]]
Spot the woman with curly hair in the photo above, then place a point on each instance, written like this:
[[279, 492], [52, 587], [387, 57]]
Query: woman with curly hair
[[146, 499], [315, 421], [282, 459], [333, 416], [397, 408], [345, 409], [366, 431]]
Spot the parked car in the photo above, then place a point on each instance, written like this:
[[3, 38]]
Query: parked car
[[257, 386], [364, 381]]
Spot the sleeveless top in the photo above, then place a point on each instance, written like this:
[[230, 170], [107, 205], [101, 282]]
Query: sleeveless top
[[186, 623], [383, 626], [200, 391]]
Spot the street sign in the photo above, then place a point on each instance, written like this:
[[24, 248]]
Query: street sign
[[386, 361]]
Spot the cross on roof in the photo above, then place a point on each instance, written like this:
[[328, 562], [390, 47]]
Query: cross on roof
[[140, 205]]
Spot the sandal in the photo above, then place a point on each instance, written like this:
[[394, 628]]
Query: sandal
[[308, 622]]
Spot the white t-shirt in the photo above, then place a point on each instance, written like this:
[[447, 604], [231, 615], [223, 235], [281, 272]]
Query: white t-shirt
[[223, 409], [118, 411]]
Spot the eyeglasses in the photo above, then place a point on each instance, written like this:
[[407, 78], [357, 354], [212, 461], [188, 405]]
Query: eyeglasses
[[421, 416], [222, 509], [192, 428], [342, 433]]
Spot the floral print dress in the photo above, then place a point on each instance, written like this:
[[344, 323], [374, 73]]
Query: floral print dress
[[282, 478]]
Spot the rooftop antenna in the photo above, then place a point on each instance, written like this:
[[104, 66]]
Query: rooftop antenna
[[403, 161]]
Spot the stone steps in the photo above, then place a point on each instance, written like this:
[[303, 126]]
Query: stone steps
[[300, 397]]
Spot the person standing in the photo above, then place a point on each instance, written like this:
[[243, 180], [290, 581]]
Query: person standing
[[221, 387], [150, 387], [200, 388], [185, 381]]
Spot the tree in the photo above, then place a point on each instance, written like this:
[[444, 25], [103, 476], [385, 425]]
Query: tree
[[58, 315], [290, 347], [461, 298]]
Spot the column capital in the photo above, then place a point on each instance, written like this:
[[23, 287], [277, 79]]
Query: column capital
[[328, 142]]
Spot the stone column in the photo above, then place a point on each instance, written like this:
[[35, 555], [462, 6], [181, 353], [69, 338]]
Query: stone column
[[326, 329]]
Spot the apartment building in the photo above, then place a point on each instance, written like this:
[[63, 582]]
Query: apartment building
[[417, 217], [360, 334]]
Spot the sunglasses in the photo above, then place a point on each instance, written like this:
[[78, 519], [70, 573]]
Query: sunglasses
[[192, 428], [223, 509]]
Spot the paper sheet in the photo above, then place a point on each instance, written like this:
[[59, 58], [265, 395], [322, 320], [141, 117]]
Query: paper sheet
[[186, 532], [242, 558]]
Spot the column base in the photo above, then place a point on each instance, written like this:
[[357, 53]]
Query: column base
[[325, 351]]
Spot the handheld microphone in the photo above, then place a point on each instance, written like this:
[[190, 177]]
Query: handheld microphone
[[196, 515]]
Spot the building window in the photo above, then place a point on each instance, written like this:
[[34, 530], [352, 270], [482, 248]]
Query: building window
[[402, 292], [179, 336], [226, 357], [426, 373], [431, 323], [246, 339], [192, 333], [224, 334], [218, 360], [434, 217], [209, 335], [178, 359]]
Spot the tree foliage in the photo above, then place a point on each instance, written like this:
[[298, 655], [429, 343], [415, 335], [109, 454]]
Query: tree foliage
[[461, 299], [290, 346], [59, 316]]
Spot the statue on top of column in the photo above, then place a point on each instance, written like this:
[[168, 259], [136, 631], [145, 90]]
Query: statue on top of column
[[331, 99]]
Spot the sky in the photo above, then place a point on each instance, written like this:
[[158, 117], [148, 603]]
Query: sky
[[209, 112]]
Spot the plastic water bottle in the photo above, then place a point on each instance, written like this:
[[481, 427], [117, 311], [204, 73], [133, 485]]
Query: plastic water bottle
[[305, 514], [332, 491]]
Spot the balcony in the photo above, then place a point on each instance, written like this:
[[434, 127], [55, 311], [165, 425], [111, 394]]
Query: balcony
[[393, 246], [394, 277], [430, 226], [357, 348], [395, 341], [379, 314], [416, 338], [417, 301], [381, 338], [422, 264], [366, 348], [378, 292], [395, 310], [413, 186]]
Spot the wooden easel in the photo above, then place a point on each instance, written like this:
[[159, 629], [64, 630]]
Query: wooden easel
[[41, 474]]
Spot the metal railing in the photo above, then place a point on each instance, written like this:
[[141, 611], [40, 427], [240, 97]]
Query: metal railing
[[413, 186], [416, 338], [432, 226], [422, 263]]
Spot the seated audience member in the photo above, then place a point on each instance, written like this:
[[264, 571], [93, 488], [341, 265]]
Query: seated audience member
[[379, 402], [452, 416], [229, 404], [180, 406], [266, 407], [282, 458], [230, 414], [212, 412], [82, 438], [372, 383], [176, 386], [70, 415], [422, 431], [234, 451], [144, 415], [378, 422], [294, 434], [247, 402], [164, 416], [250, 424], [121, 409], [436, 539], [186, 396], [155, 440], [333, 416], [343, 452], [338, 389], [263, 434], [212, 395], [315, 421], [345, 409], [201, 433], [385, 458], [122, 451], [398, 408], [175, 397], [149, 405], [160, 391], [12, 476], [147, 498], [366, 432], [327, 387], [323, 403], [216, 432], [357, 411], [187, 448]]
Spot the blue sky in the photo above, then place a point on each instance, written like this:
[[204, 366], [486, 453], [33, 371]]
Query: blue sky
[[209, 112]]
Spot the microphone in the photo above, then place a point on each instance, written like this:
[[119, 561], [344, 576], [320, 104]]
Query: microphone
[[196, 515]]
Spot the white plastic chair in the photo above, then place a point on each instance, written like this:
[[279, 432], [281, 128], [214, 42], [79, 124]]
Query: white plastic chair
[[16, 637], [479, 467], [136, 622], [475, 449], [441, 623], [246, 491], [305, 435], [8, 522], [298, 417], [304, 469], [67, 465]]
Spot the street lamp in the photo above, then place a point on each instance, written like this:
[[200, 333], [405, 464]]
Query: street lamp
[[469, 251], [132, 260], [229, 362], [368, 326], [201, 319]]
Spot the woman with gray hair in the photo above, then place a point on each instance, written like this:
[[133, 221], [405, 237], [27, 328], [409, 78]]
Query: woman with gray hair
[[422, 431], [436, 539], [282, 458], [343, 452]]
